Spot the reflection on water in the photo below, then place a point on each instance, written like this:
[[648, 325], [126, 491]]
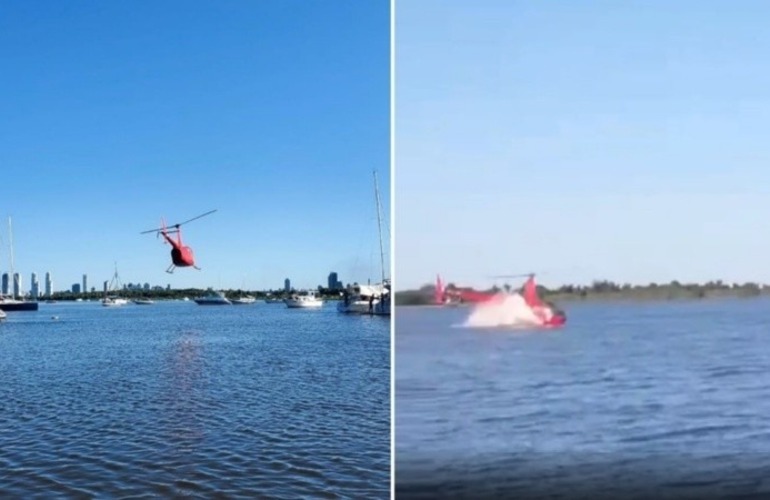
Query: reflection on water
[[183, 391], [183, 400]]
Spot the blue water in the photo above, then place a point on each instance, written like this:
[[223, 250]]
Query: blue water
[[177, 399], [658, 400]]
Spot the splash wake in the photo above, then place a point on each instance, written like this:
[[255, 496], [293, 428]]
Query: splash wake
[[504, 310]]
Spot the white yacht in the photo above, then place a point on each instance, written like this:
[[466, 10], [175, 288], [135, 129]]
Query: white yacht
[[2, 315], [363, 299], [114, 301], [213, 298], [113, 286], [144, 302], [303, 300], [382, 308], [246, 299], [369, 299]]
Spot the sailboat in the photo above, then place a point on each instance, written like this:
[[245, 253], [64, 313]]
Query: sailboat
[[11, 303], [369, 299], [112, 300]]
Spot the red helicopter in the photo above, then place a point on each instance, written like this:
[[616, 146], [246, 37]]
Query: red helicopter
[[445, 296], [549, 314], [181, 255]]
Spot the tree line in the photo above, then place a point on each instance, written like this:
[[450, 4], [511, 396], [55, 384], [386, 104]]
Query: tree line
[[605, 289]]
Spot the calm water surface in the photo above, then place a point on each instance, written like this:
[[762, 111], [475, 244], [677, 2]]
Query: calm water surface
[[177, 399], [661, 400]]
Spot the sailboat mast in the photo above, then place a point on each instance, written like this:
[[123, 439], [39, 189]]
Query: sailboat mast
[[10, 244], [379, 226]]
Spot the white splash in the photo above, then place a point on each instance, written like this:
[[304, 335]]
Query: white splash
[[503, 310]]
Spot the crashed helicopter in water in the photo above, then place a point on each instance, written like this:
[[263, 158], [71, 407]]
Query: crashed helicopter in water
[[546, 314], [181, 255]]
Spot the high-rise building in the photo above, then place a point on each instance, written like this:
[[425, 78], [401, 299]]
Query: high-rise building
[[6, 284], [106, 287], [85, 283], [48, 285], [16, 285], [76, 288], [34, 287], [334, 283], [287, 285]]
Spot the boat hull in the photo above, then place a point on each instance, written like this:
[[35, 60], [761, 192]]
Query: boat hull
[[378, 308], [212, 302], [18, 306], [299, 304], [357, 307], [114, 302]]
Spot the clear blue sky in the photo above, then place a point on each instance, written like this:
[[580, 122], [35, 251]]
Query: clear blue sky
[[274, 112], [583, 140]]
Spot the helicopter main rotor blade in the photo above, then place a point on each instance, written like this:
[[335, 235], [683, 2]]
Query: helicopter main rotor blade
[[504, 276], [194, 218], [177, 225]]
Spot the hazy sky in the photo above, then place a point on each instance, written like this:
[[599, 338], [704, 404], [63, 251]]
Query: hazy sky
[[582, 140], [274, 112]]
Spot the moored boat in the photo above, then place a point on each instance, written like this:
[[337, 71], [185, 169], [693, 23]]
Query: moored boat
[[11, 304], [246, 299], [363, 299], [114, 301], [369, 299], [213, 298], [303, 300]]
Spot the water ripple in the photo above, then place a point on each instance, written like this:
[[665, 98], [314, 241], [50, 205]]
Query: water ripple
[[630, 400], [180, 400]]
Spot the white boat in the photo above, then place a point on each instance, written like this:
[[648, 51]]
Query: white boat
[[2, 315], [273, 301], [362, 299], [246, 299], [369, 299], [11, 303], [143, 302], [213, 298], [305, 299], [114, 286], [114, 301], [382, 308], [8, 303]]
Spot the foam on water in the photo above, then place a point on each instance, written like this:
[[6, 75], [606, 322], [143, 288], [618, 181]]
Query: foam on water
[[508, 310]]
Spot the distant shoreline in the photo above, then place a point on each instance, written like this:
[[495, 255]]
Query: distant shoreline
[[608, 291], [177, 294]]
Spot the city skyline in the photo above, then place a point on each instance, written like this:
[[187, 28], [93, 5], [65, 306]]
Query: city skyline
[[34, 291]]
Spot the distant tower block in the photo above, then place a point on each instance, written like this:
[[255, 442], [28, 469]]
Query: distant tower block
[[34, 287], [48, 285], [85, 283], [287, 285], [16, 285], [6, 284]]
